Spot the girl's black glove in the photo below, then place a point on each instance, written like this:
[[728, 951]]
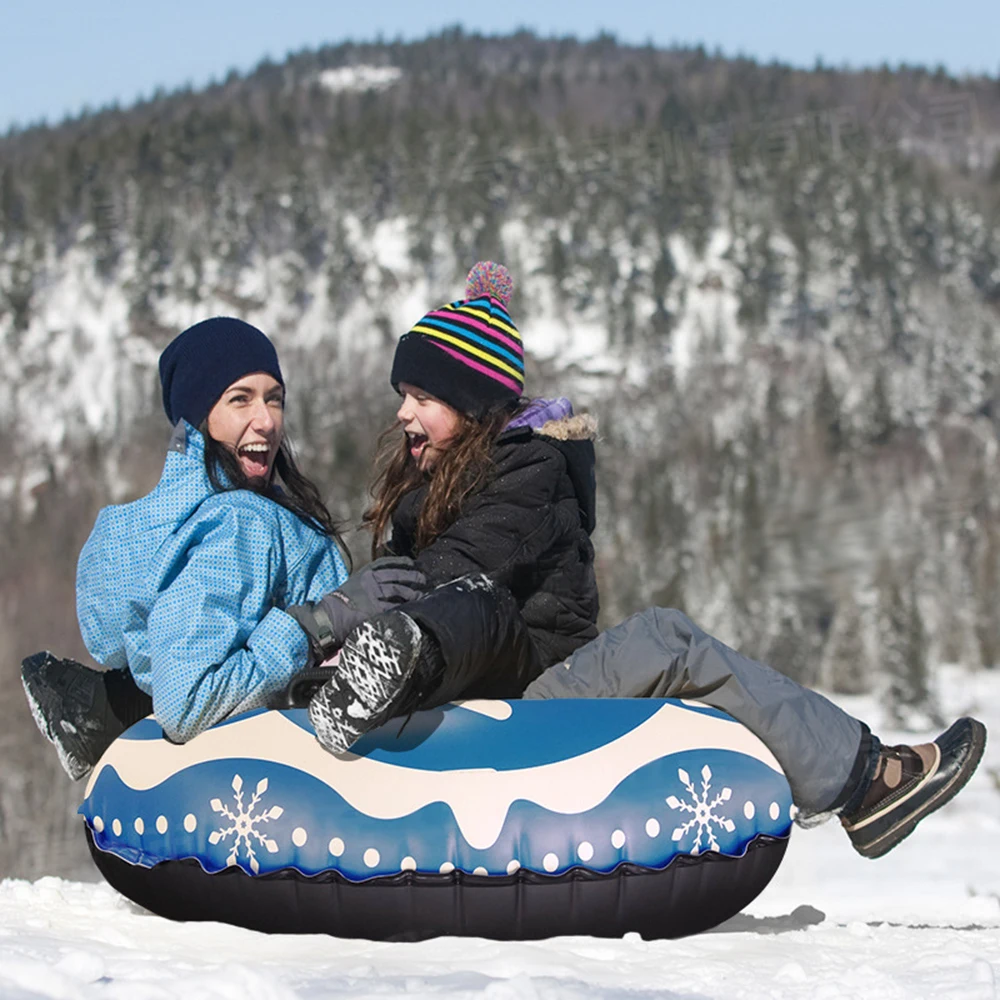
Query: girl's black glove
[[377, 587]]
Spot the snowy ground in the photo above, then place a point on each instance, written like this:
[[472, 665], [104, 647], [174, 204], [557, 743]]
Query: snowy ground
[[922, 922]]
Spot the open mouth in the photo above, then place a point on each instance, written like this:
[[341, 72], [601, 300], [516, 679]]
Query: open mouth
[[417, 444], [254, 459]]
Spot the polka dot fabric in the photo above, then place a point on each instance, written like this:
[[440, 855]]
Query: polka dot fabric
[[185, 588]]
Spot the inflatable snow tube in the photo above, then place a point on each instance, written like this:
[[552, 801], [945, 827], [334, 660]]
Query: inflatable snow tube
[[507, 820]]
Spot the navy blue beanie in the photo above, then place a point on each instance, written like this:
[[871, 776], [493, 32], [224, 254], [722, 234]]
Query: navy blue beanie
[[199, 364]]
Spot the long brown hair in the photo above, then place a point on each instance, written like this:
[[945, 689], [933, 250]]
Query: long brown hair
[[300, 495], [462, 468]]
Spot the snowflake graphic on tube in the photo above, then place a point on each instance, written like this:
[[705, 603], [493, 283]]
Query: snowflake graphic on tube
[[244, 824], [703, 812]]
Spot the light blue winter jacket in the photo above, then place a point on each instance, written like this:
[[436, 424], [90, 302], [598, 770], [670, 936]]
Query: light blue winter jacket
[[186, 587]]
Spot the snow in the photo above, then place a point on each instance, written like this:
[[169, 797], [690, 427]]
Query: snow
[[360, 78], [710, 304], [830, 926], [922, 922]]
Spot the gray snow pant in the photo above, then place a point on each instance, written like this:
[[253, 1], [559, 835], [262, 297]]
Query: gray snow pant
[[660, 653]]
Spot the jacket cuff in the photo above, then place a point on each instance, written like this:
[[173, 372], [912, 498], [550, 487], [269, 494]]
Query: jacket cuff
[[279, 642]]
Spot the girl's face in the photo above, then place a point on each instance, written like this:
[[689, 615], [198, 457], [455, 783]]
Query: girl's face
[[249, 419], [429, 424]]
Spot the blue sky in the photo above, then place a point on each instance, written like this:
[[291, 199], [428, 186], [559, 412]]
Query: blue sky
[[57, 56]]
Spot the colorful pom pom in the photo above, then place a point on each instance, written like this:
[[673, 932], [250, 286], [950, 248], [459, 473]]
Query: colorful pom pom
[[488, 278]]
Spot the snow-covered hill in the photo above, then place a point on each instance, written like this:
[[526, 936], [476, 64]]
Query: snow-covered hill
[[778, 290]]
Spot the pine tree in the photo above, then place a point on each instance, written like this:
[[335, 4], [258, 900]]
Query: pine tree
[[12, 206], [104, 231], [847, 668], [987, 609], [902, 652], [880, 423], [827, 415]]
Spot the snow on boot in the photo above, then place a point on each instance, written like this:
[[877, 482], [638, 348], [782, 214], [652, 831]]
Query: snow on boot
[[79, 709], [370, 681], [910, 783]]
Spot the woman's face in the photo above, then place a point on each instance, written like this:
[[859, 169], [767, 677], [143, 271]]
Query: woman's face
[[429, 424], [249, 419]]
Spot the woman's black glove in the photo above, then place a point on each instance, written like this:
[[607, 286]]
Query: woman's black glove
[[377, 587]]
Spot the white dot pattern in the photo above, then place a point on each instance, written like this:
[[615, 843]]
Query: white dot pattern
[[775, 810], [550, 862]]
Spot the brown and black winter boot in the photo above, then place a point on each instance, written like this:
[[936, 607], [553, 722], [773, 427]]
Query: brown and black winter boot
[[910, 783]]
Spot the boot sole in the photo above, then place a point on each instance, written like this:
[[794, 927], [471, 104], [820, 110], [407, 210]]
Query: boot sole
[[355, 668], [899, 831]]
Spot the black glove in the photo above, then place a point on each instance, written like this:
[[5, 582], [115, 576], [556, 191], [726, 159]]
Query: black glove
[[376, 588]]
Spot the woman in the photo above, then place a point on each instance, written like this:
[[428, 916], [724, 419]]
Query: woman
[[186, 587]]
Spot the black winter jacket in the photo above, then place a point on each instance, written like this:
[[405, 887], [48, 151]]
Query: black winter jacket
[[528, 530]]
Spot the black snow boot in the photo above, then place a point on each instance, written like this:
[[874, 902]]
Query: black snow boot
[[79, 709], [910, 783], [303, 686], [386, 666]]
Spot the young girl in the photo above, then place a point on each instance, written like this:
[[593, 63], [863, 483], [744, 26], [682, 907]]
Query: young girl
[[181, 593], [477, 483]]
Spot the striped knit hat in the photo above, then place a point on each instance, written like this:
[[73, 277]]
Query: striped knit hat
[[467, 353]]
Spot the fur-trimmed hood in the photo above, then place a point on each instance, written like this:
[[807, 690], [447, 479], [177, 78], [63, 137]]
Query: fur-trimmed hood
[[573, 435], [578, 427]]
